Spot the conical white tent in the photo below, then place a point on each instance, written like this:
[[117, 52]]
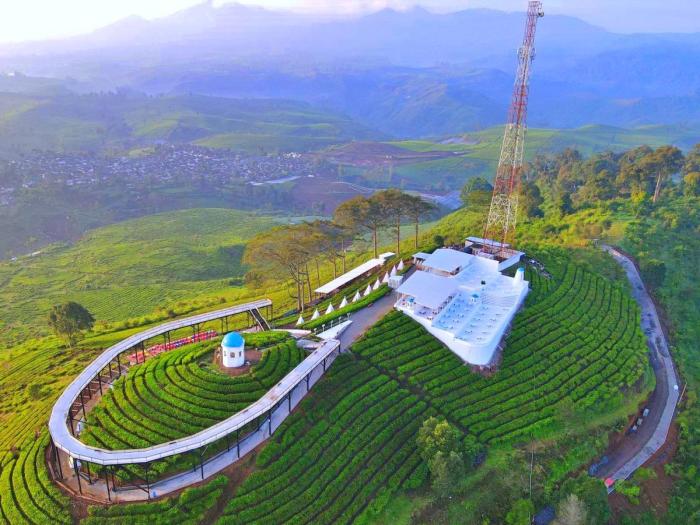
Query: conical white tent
[[357, 296], [400, 266], [343, 303], [386, 278], [393, 271], [377, 284], [368, 290], [316, 314], [300, 321], [330, 308]]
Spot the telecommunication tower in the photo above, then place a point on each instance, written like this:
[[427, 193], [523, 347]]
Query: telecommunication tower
[[500, 224]]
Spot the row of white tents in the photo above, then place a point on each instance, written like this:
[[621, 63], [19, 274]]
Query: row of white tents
[[370, 288]]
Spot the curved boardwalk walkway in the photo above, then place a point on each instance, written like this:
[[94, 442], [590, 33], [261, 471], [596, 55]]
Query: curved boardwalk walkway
[[636, 450], [312, 366]]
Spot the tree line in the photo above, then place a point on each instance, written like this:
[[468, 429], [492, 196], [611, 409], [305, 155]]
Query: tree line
[[642, 174], [296, 251]]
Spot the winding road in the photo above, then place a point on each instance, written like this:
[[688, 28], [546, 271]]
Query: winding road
[[636, 449]]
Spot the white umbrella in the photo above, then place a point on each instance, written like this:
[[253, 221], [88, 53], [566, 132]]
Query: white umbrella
[[343, 303], [400, 266], [329, 309], [300, 321], [386, 278], [393, 271], [368, 290], [377, 284], [316, 314], [357, 296]]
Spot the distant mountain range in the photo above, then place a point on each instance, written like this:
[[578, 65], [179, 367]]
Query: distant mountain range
[[405, 73]]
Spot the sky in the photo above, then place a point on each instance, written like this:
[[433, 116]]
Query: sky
[[40, 19]]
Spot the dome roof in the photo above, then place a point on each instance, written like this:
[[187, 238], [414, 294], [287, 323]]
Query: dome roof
[[232, 340]]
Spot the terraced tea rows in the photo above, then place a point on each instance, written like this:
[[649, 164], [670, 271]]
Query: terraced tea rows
[[190, 507], [581, 342], [27, 495], [352, 439], [174, 395]]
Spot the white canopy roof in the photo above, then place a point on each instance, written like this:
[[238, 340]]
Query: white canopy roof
[[428, 289], [447, 260], [353, 274]]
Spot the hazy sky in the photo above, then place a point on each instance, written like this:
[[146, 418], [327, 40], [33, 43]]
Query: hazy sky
[[38, 19]]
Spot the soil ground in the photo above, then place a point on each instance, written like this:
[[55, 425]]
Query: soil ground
[[655, 493]]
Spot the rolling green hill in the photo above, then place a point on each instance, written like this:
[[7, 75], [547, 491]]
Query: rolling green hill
[[121, 121], [476, 154], [131, 268]]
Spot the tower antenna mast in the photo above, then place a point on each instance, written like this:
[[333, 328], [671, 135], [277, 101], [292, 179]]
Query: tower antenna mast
[[500, 224]]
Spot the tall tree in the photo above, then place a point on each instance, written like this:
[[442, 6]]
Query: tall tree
[[476, 193], [692, 160], [282, 250], [69, 319], [439, 445], [361, 213], [665, 161], [530, 199], [394, 205], [416, 209], [632, 177], [691, 183], [521, 513]]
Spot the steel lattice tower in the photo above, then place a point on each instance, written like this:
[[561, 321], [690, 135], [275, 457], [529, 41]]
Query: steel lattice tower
[[500, 224]]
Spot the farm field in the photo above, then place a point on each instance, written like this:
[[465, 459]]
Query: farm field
[[130, 269]]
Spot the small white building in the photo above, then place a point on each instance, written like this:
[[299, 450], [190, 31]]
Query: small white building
[[233, 350]]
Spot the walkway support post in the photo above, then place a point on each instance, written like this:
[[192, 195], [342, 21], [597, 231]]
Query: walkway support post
[[148, 484], [109, 494], [82, 404], [77, 474]]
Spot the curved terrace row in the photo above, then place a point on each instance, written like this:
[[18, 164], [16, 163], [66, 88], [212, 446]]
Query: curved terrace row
[[62, 434]]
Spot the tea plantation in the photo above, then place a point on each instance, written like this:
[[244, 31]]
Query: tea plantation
[[351, 443]]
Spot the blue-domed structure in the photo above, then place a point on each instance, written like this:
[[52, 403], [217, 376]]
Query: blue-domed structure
[[233, 350]]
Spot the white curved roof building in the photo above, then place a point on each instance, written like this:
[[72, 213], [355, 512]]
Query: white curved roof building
[[464, 301]]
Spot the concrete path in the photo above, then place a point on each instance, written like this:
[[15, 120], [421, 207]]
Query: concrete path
[[633, 453], [363, 319]]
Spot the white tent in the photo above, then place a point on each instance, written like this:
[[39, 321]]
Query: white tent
[[368, 290], [330, 308], [316, 314], [393, 271], [357, 296], [400, 266], [377, 284], [343, 303], [386, 278], [300, 321]]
